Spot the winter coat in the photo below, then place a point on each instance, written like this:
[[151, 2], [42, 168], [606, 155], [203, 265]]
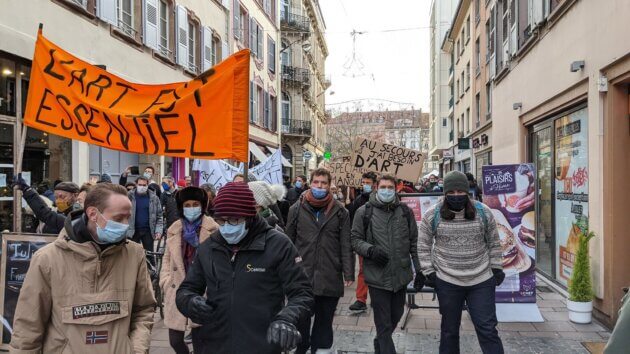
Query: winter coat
[[168, 202], [53, 220], [619, 341], [324, 246], [358, 202], [173, 271], [248, 288], [156, 222], [75, 292], [395, 234], [293, 195]]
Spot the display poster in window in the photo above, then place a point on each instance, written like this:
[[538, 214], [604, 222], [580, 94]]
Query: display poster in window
[[571, 188], [509, 192]]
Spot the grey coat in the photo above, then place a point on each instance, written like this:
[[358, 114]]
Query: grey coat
[[389, 230], [156, 222], [323, 242]]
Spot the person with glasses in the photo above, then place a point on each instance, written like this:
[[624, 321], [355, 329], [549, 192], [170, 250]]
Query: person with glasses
[[183, 240], [246, 270]]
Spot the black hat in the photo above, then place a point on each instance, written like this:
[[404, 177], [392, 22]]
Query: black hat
[[191, 193], [67, 187], [105, 178]]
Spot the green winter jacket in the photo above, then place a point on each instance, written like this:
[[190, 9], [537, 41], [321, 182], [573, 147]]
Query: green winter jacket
[[394, 233], [619, 341]]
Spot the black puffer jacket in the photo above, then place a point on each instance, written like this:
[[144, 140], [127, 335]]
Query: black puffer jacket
[[53, 220], [171, 214], [324, 245], [248, 287]]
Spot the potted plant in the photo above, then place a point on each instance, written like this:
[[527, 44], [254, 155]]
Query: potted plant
[[580, 302]]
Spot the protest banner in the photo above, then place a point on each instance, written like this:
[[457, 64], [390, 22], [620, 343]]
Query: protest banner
[[17, 251], [509, 192], [71, 98], [269, 171], [390, 159], [218, 173]]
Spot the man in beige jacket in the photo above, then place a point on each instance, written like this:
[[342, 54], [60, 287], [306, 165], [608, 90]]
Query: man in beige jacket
[[89, 291]]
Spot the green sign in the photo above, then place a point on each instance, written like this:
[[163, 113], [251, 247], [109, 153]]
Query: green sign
[[327, 155], [463, 143]]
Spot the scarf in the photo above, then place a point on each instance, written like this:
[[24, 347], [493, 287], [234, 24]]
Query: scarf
[[327, 202], [190, 234]]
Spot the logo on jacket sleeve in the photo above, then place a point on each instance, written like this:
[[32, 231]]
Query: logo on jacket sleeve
[[99, 309], [252, 269], [96, 337]]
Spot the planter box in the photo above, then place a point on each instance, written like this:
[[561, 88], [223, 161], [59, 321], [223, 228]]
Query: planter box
[[580, 312]]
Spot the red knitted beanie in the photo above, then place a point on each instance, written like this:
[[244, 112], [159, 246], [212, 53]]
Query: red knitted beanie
[[234, 200]]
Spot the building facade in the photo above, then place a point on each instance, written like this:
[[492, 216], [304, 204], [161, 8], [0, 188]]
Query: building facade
[[561, 101], [302, 56], [409, 129], [459, 45], [442, 12]]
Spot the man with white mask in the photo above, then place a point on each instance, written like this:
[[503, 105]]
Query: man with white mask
[[146, 222]]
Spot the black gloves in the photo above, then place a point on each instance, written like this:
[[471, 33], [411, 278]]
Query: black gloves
[[499, 276], [200, 310], [418, 283], [430, 281], [283, 334], [21, 183], [379, 256]]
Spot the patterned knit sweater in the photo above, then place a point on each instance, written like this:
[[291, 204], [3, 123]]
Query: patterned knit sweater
[[459, 253]]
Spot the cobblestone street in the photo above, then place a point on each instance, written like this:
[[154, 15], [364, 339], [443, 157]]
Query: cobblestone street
[[355, 333]]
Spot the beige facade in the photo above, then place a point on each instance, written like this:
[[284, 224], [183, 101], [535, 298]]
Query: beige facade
[[303, 56], [564, 75], [459, 44]]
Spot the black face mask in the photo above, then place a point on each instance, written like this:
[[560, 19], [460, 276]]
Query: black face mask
[[456, 202]]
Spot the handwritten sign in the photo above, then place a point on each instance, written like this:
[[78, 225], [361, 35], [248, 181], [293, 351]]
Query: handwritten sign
[[17, 251], [269, 171], [343, 174], [71, 98], [390, 159], [499, 179], [218, 173]]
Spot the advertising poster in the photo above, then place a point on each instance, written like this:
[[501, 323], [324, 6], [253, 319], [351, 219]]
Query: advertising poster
[[571, 161], [509, 191], [420, 203]]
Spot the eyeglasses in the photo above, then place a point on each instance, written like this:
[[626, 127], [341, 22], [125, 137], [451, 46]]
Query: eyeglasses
[[231, 221]]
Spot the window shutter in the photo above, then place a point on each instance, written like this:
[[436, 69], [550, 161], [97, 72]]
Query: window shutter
[[236, 11], [182, 36], [206, 52], [266, 107], [225, 50], [260, 51], [108, 12], [252, 36], [151, 28], [251, 101]]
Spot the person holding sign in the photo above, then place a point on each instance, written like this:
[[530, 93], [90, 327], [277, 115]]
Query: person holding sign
[[461, 257], [89, 291], [319, 226], [238, 282], [385, 234]]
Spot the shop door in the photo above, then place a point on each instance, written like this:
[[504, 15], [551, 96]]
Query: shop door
[[542, 155]]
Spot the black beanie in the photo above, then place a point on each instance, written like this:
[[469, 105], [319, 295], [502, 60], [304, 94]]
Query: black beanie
[[191, 193]]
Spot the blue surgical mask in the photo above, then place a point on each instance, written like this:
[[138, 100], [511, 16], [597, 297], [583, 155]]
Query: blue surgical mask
[[319, 193], [386, 195], [193, 213], [298, 184], [113, 232], [165, 186], [367, 188], [233, 234]]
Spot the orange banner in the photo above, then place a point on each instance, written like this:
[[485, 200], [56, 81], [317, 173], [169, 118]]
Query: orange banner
[[206, 117]]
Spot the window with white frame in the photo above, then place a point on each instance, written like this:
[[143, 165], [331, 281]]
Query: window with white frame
[[467, 75], [125, 17], [192, 45], [164, 28], [478, 110], [216, 50], [286, 108], [271, 52], [260, 112], [488, 99]]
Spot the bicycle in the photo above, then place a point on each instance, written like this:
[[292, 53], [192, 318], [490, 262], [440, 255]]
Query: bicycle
[[154, 273]]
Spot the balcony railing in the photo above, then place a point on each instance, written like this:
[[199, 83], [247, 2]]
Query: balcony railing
[[294, 22], [296, 127], [295, 76]]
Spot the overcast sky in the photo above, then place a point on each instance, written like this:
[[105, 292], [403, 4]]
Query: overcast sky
[[395, 63]]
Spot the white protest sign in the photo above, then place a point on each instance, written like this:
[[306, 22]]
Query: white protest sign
[[390, 159], [215, 172], [269, 171]]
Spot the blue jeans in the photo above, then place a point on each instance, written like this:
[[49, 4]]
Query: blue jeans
[[481, 306]]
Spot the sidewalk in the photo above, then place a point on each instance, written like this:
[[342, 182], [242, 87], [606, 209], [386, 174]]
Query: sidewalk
[[354, 333]]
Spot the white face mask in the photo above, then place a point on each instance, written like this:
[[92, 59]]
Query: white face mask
[[142, 189]]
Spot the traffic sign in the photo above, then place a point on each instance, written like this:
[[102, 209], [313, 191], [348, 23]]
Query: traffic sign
[[307, 155]]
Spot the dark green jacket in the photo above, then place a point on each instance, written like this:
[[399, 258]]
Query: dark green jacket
[[389, 230]]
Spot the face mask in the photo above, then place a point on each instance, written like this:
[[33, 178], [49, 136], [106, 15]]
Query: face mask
[[456, 202], [62, 205], [148, 175], [192, 214], [335, 197], [113, 232], [386, 195], [142, 189], [441, 185], [233, 234], [165, 186], [367, 188], [298, 184], [319, 193]]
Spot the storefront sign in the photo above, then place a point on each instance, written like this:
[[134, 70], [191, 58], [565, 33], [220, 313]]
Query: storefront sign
[[509, 190], [384, 158], [571, 191], [71, 98]]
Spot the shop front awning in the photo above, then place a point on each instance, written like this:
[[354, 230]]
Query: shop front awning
[[257, 152]]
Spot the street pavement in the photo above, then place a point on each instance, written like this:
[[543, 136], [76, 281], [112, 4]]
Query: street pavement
[[355, 333]]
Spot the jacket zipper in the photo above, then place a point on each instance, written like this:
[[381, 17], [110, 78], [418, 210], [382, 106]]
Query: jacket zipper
[[233, 262]]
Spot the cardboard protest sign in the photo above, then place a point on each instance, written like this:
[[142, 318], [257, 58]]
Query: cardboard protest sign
[[384, 158], [71, 98], [343, 174]]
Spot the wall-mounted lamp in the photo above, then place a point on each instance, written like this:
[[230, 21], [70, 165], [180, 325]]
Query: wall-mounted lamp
[[517, 105], [577, 65]]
